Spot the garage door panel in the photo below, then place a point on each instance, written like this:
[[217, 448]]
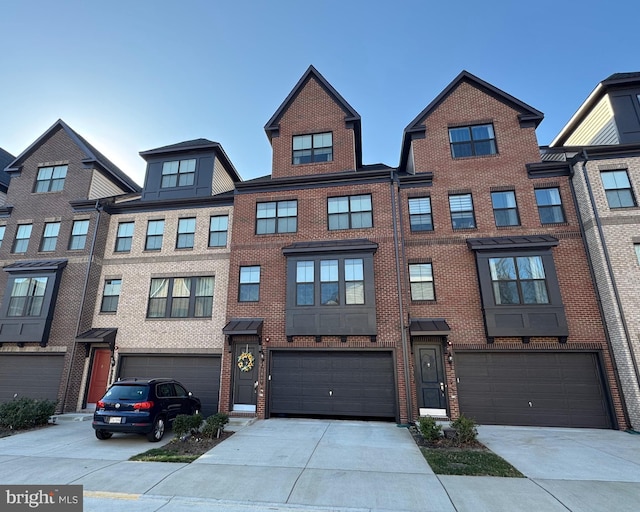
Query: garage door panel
[[32, 376]]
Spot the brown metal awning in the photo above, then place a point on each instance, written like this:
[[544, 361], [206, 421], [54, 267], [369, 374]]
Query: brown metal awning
[[243, 326], [99, 335], [429, 327]]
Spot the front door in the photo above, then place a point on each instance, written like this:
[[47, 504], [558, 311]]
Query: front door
[[245, 376], [429, 368], [99, 375]]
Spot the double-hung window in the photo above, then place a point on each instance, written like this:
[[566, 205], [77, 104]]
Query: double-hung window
[[305, 283], [518, 280], [27, 296], [155, 232], [505, 209], [110, 296], [277, 217], [421, 281], [186, 233], [461, 207], [469, 141], [179, 173], [78, 235], [181, 297], [249, 289], [50, 236], [549, 205], [218, 227], [332, 291], [2, 230], [420, 214], [124, 237], [50, 179], [618, 189], [21, 243], [317, 147], [350, 212]]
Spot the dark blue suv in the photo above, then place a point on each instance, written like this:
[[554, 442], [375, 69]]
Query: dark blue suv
[[142, 406]]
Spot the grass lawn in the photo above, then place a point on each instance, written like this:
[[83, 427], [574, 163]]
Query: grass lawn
[[470, 462]]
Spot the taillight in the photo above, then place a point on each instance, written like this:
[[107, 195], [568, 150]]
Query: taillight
[[100, 404], [143, 405]]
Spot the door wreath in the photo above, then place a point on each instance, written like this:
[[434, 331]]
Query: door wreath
[[246, 361]]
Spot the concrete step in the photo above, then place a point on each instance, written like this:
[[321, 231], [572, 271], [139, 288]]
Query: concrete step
[[239, 422], [71, 416]]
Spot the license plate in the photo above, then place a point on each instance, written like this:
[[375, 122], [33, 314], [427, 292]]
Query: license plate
[[115, 419]]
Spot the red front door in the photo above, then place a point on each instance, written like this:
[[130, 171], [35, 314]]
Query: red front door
[[99, 375]]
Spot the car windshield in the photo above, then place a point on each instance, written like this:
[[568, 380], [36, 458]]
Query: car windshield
[[124, 392]]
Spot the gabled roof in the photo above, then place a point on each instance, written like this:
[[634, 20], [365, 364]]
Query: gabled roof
[[93, 157], [352, 118], [616, 80], [416, 128], [5, 159]]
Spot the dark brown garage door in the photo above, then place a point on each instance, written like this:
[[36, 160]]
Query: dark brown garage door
[[30, 375], [524, 388], [334, 384], [200, 374]]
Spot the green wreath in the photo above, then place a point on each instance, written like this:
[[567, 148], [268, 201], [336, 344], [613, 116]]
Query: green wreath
[[246, 361]]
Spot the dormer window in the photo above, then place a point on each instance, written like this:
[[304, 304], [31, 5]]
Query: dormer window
[[179, 173], [317, 147]]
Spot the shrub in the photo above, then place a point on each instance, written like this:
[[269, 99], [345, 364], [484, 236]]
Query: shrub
[[215, 425], [429, 429], [466, 431], [24, 412], [187, 424]]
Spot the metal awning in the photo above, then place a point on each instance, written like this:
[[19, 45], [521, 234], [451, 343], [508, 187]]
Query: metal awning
[[99, 335], [36, 266], [243, 326], [429, 327]]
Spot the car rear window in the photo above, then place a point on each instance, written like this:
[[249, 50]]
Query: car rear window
[[128, 392]]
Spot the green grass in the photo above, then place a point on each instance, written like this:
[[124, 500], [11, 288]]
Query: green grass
[[461, 461], [163, 455]]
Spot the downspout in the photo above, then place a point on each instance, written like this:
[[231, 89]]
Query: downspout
[[607, 259], [399, 273], [98, 208]]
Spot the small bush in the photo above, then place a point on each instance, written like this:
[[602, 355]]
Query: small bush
[[215, 425], [187, 424], [429, 429], [466, 431], [24, 412]]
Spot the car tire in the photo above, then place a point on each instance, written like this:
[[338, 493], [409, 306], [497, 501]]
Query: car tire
[[157, 432], [103, 435]]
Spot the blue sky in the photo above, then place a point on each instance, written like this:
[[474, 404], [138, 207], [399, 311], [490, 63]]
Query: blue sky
[[139, 74]]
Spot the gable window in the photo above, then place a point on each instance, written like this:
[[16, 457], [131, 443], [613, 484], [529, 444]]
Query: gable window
[[124, 237], [181, 297], [518, 280], [317, 147], [50, 179], [461, 207], [249, 290], [350, 212], [110, 296], [549, 205], [505, 210], [218, 227], [420, 214], [22, 239], [186, 233], [421, 281], [2, 230], [155, 232], [50, 236], [617, 189], [27, 296], [179, 173], [277, 217], [305, 278], [78, 235], [469, 141]]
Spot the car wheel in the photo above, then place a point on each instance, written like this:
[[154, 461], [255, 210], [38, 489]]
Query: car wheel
[[103, 435], [157, 432]]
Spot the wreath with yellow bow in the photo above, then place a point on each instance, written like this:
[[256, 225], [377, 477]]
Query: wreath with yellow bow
[[246, 361]]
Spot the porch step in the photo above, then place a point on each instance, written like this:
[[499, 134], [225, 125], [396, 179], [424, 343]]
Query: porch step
[[239, 422]]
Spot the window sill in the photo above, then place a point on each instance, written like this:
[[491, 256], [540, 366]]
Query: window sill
[[108, 313], [177, 319], [424, 302]]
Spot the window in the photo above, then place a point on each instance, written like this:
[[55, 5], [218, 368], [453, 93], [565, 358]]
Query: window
[[249, 284], [472, 141], [549, 205], [420, 214], [155, 231], [218, 227], [636, 247], [350, 212], [312, 148], [421, 281], [110, 295], [461, 206], [618, 189], [50, 236], [277, 217], [518, 280], [329, 294], [186, 233], [178, 174], [505, 210], [22, 239], [78, 235], [330, 282], [305, 278], [124, 237], [27, 296], [2, 230], [181, 297], [50, 179], [354, 281]]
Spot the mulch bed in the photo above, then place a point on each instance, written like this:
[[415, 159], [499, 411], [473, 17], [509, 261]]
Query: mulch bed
[[445, 443], [195, 445]]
